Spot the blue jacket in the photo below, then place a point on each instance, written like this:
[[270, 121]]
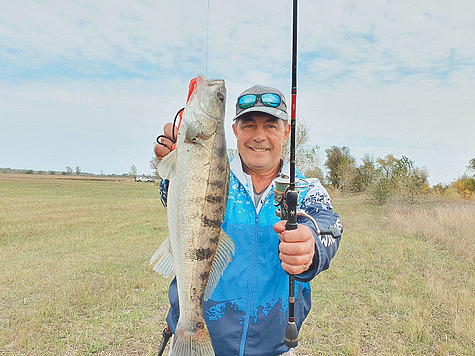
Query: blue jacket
[[247, 312]]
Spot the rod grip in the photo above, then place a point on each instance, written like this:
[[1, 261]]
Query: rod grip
[[291, 198], [291, 335]]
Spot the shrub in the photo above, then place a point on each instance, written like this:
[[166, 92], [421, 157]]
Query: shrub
[[381, 190], [465, 187]]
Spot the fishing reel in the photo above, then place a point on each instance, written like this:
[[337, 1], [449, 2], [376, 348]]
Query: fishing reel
[[281, 189]]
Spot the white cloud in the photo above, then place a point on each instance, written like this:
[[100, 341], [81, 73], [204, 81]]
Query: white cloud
[[419, 36], [117, 32], [434, 122], [390, 77]]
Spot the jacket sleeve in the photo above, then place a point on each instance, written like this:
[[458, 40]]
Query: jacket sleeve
[[164, 191], [317, 204]]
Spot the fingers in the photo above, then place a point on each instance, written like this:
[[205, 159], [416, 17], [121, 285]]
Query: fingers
[[296, 263], [168, 129], [165, 146], [294, 267], [296, 248], [161, 151]]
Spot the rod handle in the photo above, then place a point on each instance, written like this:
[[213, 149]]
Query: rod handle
[[291, 198], [291, 335]]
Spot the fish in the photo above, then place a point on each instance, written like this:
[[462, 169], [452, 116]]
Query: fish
[[197, 250]]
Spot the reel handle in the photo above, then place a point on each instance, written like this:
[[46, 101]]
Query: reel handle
[[333, 231]]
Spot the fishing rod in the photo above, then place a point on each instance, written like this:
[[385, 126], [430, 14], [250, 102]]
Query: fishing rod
[[292, 195], [286, 193]]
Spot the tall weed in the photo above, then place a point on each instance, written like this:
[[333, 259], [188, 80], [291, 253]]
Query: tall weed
[[449, 223]]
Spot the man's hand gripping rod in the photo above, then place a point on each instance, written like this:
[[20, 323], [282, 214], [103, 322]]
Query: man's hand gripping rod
[[287, 200]]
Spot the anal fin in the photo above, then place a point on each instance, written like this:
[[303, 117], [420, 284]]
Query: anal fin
[[221, 260]]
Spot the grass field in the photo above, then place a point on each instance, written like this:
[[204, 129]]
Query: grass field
[[74, 274]]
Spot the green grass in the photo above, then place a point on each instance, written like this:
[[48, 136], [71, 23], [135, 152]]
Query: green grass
[[74, 267], [74, 277], [389, 292]]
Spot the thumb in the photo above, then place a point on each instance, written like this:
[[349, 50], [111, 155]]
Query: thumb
[[279, 227]]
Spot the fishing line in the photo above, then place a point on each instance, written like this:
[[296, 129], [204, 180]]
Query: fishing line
[[191, 88], [207, 40], [288, 30], [173, 138]]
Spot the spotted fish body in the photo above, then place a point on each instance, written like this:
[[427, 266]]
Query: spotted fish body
[[197, 250]]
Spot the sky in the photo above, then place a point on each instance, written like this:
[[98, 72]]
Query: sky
[[91, 83]]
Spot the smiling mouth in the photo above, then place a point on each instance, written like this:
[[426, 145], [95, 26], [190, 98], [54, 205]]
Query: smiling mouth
[[259, 149]]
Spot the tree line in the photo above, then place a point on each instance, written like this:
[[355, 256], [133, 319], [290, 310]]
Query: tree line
[[382, 178], [385, 178], [67, 172]]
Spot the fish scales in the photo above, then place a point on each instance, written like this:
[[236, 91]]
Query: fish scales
[[198, 170]]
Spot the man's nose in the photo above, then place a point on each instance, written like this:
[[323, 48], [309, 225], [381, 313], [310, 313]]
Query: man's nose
[[259, 134]]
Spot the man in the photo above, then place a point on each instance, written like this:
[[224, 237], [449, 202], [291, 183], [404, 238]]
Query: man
[[247, 312]]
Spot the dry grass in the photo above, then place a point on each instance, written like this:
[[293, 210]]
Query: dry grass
[[390, 290], [75, 280], [450, 227], [448, 223], [74, 275]]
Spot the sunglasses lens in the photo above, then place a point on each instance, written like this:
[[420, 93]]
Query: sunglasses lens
[[271, 99], [246, 101]]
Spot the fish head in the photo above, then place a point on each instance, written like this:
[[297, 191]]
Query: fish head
[[208, 101], [211, 95]]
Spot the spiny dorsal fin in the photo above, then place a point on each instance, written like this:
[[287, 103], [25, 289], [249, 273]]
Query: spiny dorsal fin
[[164, 257], [223, 257]]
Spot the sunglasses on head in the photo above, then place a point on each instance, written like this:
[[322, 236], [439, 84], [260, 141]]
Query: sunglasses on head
[[268, 99]]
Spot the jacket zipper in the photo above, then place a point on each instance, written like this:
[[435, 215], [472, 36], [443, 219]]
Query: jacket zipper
[[251, 290]]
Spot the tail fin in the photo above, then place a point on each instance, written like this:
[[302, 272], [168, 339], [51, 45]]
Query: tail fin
[[187, 344]]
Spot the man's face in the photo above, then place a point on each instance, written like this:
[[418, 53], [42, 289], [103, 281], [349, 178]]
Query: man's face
[[259, 141]]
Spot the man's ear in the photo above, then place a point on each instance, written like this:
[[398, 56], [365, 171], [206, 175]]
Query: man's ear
[[235, 129], [286, 131]]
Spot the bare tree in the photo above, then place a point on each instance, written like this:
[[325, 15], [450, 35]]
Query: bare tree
[[306, 156], [133, 171], [154, 165]]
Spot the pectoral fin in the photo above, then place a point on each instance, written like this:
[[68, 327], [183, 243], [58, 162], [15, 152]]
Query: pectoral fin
[[164, 257], [166, 167], [193, 132]]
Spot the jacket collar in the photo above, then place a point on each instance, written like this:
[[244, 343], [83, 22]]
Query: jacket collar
[[245, 179]]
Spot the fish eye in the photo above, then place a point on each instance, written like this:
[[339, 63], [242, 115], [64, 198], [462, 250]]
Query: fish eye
[[220, 95]]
